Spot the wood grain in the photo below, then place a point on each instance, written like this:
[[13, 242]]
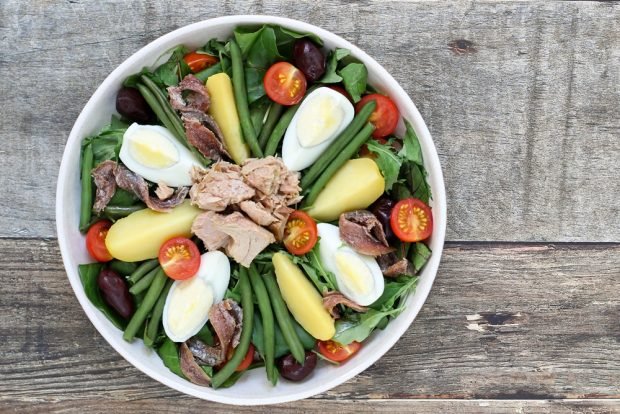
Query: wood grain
[[521, 99], [502, 322]]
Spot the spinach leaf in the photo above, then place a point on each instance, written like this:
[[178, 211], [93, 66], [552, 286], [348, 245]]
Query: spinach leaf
[[245, 37], [123, 198], [257, 113], [306, 339], [175, 69], [286, 38], [205, 335], [88, 275], [169, 354], [331, 75], [354, 77], [393, 291], [416, 180], [411, 151], [419, 256], [258, 338], [387, 160], [358, 327]]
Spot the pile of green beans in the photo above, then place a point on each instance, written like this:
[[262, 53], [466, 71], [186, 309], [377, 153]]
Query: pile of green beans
[[279, 129], [284, 319], [351, 149], [152, 328], [145, 282], [247, 304], [275, 110], [337, 146], [260, 292], [140, 315], [241, 99]]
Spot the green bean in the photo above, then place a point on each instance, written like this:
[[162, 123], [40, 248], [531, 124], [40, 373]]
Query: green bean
[[260, 292], [272, 119], [152, 328], [86, 202], [162, 100], [241, 350], [150, 98], [241, 98], [143, 269], [123, 268], [336, 147], [279, 130], [204, 74], [338, 162], [116, 212], [284, 319], [145, 307], [144, 283]]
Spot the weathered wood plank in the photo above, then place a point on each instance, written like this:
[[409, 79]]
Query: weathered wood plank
[[525, 119], [502, 322], [184, 404]]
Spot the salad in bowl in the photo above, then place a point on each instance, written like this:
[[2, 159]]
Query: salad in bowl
[[257, 209]]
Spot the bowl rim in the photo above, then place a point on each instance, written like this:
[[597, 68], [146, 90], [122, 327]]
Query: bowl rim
[[431, 161]]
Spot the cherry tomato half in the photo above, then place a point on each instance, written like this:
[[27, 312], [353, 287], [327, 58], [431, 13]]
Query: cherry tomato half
[[284, 83], [411, 220], [199, 61], [95, 241], [385, 116], [300, 234], [247, 361], [180, 258], [337, 352]]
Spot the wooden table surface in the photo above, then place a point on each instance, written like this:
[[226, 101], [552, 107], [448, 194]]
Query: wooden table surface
[[522, 100]]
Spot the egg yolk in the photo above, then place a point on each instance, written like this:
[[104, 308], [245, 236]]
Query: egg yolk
[[318, 121], [354, 273], [152, 150]]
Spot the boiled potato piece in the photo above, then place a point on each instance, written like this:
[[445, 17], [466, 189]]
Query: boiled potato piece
[[356, 185], [224, 110], [302, 299], [140, 235]]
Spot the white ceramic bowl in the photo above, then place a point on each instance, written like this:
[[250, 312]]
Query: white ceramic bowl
[[252, 389]]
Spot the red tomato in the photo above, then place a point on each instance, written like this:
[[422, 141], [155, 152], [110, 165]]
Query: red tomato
[[180, 258], [198, 61], [411, 220], [300, 234], [385, 116], [342, 90], [95, 241], [247, 361], [337, 352], [285, 84]]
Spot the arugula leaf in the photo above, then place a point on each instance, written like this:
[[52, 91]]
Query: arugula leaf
[[419, 256], [387, 160], [411, 150], [358, 327], [393, 291], [354, 77], [169, 354], [88, 275], [314, 269], [333, 58]]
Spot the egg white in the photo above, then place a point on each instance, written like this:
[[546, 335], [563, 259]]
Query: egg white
[[296, 156], [187, 308], [176, 174], [215, 270], [330, 244]]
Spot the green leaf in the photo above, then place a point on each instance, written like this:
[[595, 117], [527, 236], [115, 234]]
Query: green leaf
[[258, 109], [358, 327], [169, 354], [420, 255], [416, 178], [245, 37], [88, 275], [314, 269], [411, 151], [331, 68], [175, 69], [354, 77], [286, 38], [387, 160], [393, 291], [205, 335], [123, 198]]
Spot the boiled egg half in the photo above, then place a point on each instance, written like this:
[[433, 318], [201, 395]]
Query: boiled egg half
[[322, 115], [358, 276], [188, 302], [152, 152]]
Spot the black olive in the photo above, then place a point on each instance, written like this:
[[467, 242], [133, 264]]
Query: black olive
[[309, 59], [293, 370], [131, 104], [382, 209], [115, 292]]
